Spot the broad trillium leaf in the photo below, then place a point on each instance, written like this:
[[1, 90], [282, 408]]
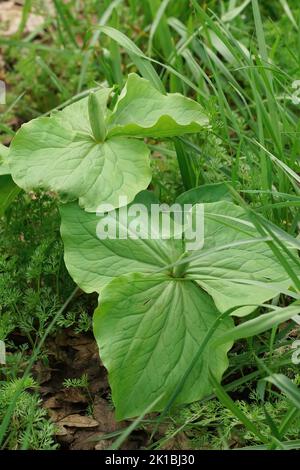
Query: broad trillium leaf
[[214, 192], [142, 110], [149, 330], [234, 266], [93, 263], [61, 154]]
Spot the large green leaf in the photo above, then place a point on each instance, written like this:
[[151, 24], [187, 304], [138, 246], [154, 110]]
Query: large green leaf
[[61, 153], [206, 193], [93, 262], [143, 111], [149, 330], [234, 266]]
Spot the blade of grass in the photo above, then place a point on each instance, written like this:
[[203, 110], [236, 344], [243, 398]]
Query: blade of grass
[[287, 387], [24, 18], [125, 434], [160, 26], [137, 56], [66, 20], [260, 324], [87, 56]]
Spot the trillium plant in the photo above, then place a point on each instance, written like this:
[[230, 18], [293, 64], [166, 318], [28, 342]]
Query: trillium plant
[[95, 155], [165, 309]]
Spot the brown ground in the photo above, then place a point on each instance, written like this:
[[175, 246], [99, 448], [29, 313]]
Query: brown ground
[[71, 356]]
